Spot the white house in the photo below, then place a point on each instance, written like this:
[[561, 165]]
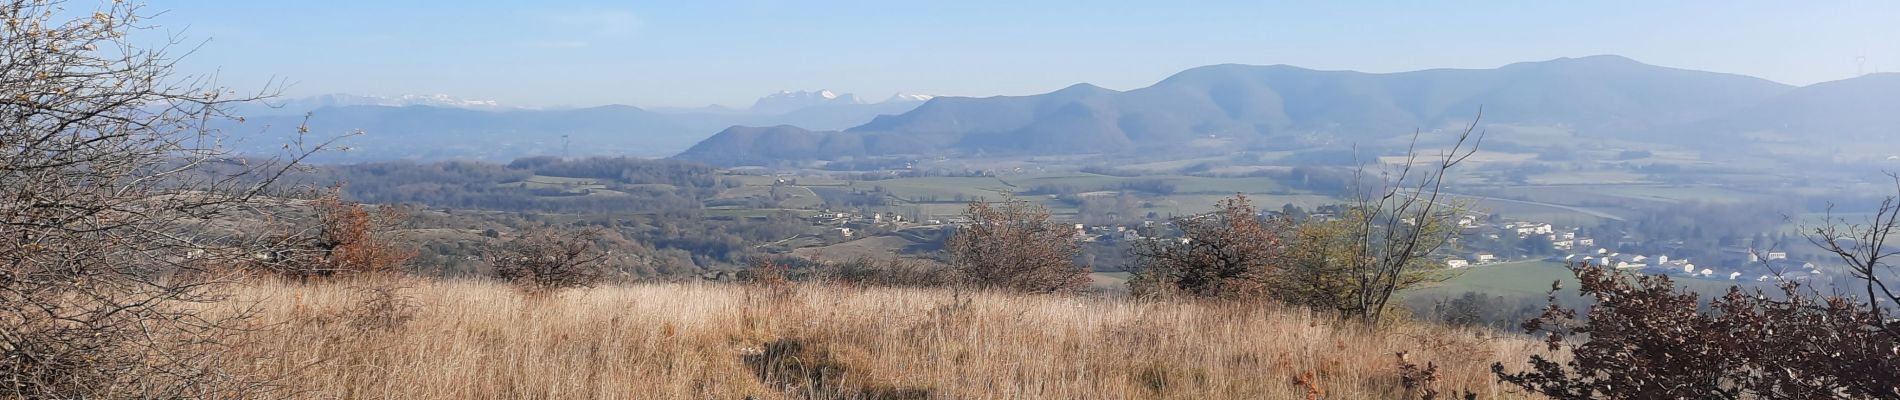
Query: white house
[[1457, 263], [1486, 257]]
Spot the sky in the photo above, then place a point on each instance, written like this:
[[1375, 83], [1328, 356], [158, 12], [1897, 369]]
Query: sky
[[694, 53]]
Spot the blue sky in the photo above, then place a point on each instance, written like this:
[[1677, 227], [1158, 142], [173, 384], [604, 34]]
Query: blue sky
[[689, 53]]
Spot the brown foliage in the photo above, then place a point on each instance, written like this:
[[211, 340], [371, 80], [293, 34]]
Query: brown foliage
[[546, 260], [1015, 247], [346, 239], [1230, 253], [1645, 339], [766, 272]]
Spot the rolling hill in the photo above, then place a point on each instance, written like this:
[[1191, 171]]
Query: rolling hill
[[1857, 114], [1253, 106]]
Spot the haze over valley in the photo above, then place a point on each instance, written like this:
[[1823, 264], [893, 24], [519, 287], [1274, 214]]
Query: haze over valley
[[974, 199]]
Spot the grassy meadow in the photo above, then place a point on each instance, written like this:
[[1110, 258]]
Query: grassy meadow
[[477, 339]]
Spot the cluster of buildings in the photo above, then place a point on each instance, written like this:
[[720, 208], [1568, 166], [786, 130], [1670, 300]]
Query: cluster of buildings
[[1114, 233], [1663, 264], [849, 224], [1584, 250], [1560, 239]]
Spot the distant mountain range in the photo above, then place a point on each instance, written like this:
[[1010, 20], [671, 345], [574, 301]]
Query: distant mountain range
[[301, 105], [441, 127], [1246, 106], [1219, 108], [787, 101]]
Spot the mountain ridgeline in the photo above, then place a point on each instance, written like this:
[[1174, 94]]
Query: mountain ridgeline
[[1263, 107], [438, 128]]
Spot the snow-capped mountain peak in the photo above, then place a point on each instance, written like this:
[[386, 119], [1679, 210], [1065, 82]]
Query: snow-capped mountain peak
[[300, 105], [787, 100], [905, 97]]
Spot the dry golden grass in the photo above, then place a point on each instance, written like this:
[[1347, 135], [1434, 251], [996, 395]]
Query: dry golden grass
[[470, 339]]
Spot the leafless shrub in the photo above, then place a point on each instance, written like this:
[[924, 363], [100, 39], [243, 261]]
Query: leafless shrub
[[766, 272], [106, 204], [345, 238], [1015, 247], [380, 305], [1231, 253], [545, 261]]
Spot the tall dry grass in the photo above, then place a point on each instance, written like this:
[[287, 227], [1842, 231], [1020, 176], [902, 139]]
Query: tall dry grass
[[469, 339]]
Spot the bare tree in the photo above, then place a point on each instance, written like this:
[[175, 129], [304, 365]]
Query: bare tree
[[1865, 249], [107, 210], [1015, 247], [1401, 222], [545, 261]]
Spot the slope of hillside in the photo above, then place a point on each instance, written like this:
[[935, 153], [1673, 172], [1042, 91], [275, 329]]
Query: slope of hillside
[[476, 339], [1605, 96], [1853, 114]]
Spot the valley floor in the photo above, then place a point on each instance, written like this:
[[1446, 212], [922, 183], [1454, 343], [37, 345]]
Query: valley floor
[[472, 339]]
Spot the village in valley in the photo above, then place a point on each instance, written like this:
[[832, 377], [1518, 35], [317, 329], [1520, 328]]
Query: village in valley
[[1483, 240]]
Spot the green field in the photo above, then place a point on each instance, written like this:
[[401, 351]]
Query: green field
[[794, 196], [944, 188], [735, 212], [769, 180], [556, 182], [1531, 280], [1182, 184], [1109, 282], [1648, 193]]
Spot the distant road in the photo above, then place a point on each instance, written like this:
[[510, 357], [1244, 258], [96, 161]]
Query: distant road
[[1593, 213]]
